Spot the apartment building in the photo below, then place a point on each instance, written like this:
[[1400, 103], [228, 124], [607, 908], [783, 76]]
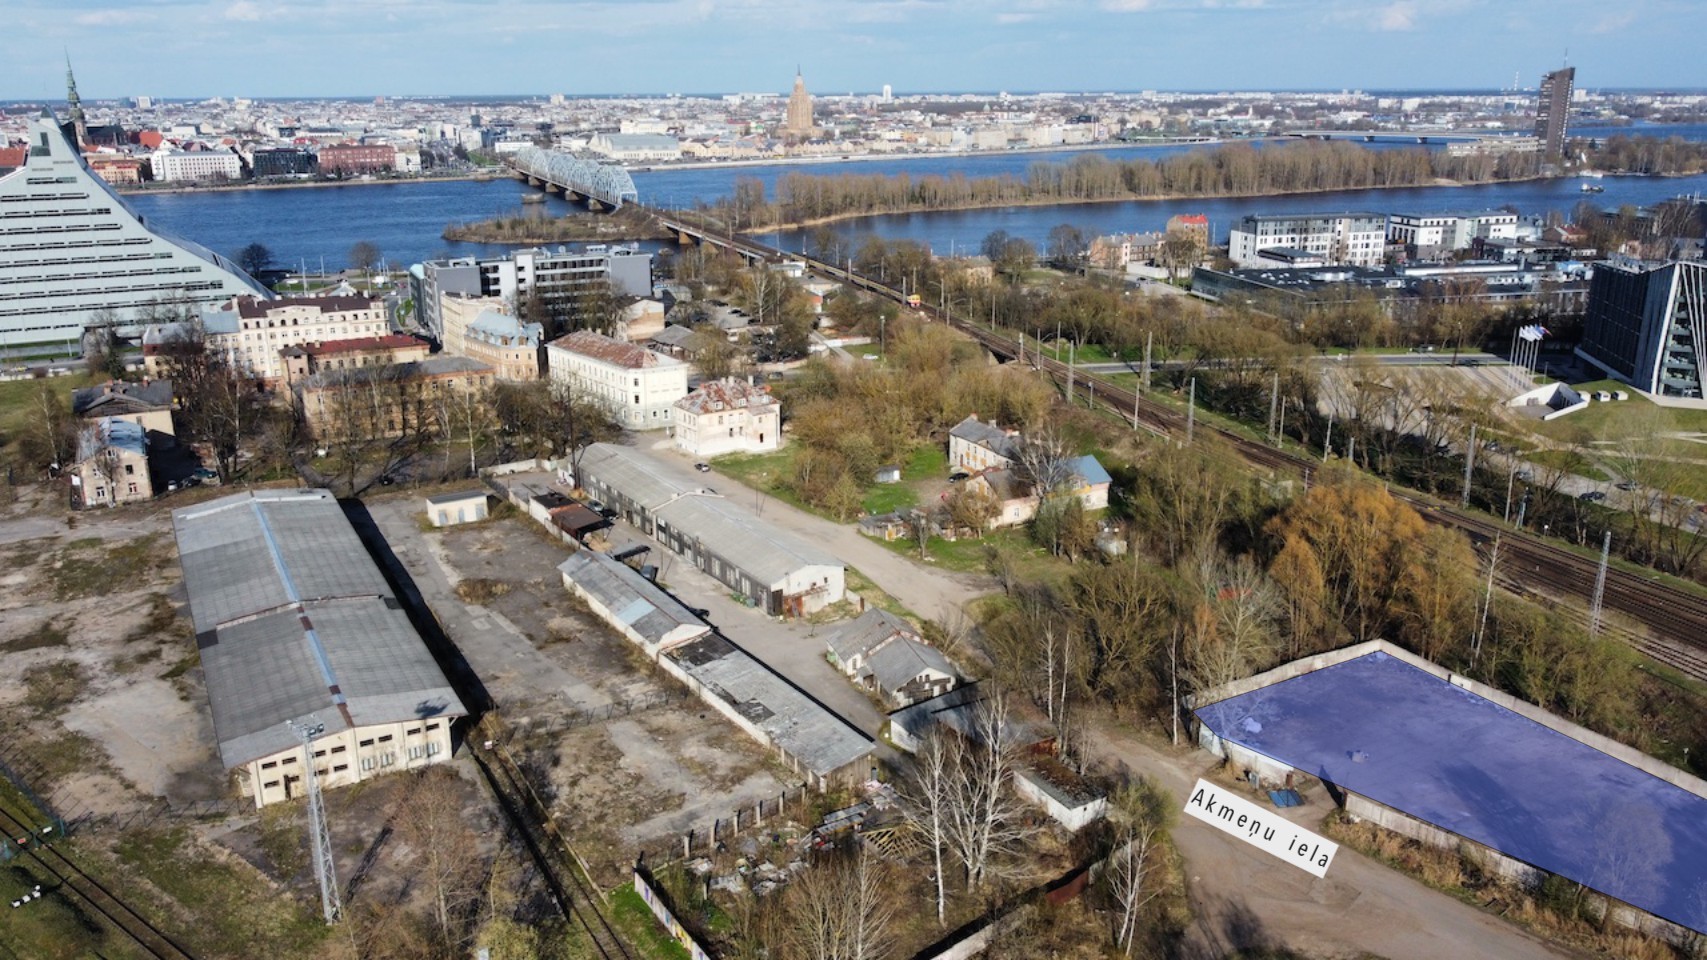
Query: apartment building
[[1358, 239], [638, 386]]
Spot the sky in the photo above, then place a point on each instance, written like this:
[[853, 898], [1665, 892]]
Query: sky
[[328, 48]]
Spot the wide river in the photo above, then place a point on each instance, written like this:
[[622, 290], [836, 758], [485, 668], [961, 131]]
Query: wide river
[[307, 226]]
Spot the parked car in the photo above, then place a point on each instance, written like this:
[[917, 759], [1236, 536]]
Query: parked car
[[702, 467], [1591, 496]]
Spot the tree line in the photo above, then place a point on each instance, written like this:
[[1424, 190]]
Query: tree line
[[1235, 169]]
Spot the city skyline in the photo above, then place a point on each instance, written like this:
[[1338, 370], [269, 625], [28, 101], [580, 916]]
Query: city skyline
[[448, 47]]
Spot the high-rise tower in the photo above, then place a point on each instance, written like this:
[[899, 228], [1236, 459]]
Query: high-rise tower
[[799, 124], [1552, 113]]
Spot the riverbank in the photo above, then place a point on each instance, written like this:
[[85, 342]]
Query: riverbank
[[523, 229], [939, 154], [131, 190], [1438, 182]]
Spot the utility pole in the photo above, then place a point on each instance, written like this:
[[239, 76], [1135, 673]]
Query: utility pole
[[1469, 465], [1273, 405], [1328, 439], [1191, 410], [319, 837], [1510, 481], [1487, 603], [1137, 391], [1148, 337], [1280, 432], [1594, 609], [1071, 350]]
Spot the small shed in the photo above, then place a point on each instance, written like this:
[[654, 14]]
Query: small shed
[[889, 473], [450, 509]]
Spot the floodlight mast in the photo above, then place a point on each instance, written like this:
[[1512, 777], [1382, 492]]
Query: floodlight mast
[[325, 870]]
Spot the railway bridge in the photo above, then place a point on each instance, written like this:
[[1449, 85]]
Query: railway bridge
[[601, 186]]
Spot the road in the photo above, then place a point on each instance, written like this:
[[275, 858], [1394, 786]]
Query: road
[[1241, 897]]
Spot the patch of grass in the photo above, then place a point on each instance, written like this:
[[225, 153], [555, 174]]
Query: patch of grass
[[874, 595], [159, 621], [889, 497], [19, 409], [46, 634], [1566, 460], [235, 911], [481, 591], [50, 753], [87, 567], [183, 665], [761, 471], [51, 687], [634, 918], [56, 927]]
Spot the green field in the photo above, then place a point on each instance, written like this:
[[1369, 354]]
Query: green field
[[19, 407]]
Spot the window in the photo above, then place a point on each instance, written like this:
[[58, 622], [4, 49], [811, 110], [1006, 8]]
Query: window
[[432, 726], [412, 731], [130, 470], [270, 764], [385, 739], [270, 785], [288, 760], [340, 768], [367, 763], [340, 748]]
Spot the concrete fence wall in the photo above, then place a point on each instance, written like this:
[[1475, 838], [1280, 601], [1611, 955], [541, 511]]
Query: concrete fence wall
[[666, 919]]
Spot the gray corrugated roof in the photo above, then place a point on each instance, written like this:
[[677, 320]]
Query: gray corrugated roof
[[820, 740], [986, 435], [901, 660], [293, 618], [727, 529], [863, 634], [439, 500], [633, 600]]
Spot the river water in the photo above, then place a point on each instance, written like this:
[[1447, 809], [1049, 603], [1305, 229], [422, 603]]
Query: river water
[[405, 221]]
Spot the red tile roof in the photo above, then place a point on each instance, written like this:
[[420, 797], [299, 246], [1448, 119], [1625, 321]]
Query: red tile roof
[[13, 156], [615, 352], [394, 341]]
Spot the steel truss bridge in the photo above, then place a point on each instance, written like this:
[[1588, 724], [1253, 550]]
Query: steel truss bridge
[[599, 185]]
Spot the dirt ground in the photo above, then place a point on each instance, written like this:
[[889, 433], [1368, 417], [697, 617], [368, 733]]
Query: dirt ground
[[623, 782]]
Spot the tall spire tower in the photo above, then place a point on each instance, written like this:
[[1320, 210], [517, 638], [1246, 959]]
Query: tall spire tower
[[79, 123], [798, 125]]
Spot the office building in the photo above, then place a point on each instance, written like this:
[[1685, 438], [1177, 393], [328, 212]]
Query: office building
[[70, 249], [558, 276], [296, 626], [1647, 326], [1553, 111], [253, 333], [191, 166], [357, 159], [282, 162], [1426, 236], [1359, 239]]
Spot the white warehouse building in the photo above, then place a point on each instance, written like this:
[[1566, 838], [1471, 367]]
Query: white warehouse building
[[296, 626], [774, 570], [1359, 239]]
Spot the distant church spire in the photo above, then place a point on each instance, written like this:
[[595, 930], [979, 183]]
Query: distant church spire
[[78, 122]]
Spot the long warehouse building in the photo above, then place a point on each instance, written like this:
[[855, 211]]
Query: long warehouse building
[[773, 569], [296, 626]]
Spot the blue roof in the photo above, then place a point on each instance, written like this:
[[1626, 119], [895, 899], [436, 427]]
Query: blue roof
[[1088, 469], [1405, 738]]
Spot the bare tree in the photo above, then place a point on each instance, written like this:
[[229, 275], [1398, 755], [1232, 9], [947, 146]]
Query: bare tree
[[841, 909], [984, 813], [926, 797], [1042, 461], [447, 862], [1141, 813], [364, 256]]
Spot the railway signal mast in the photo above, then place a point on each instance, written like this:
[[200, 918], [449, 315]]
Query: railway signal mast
[[325, 870]]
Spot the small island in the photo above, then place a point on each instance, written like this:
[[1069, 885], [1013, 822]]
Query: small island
[[532, 225]]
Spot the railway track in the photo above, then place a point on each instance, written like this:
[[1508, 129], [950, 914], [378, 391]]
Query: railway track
[[68, 879], [1675, 620], [565, 874]]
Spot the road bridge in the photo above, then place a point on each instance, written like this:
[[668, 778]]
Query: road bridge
[[1408, 136], [687, 232], [601, 186]]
